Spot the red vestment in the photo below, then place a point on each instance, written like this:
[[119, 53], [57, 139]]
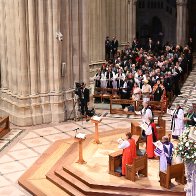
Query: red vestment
[[150, 147], [129, 154]]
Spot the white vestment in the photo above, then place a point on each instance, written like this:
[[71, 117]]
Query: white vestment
[[159, 151], [178, 123], [124, 144], [146, 115]]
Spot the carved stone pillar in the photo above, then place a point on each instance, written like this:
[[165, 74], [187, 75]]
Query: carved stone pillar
[[181, 27], [85, 40], [131, 19]]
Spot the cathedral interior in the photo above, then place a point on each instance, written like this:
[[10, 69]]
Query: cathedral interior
[[46, 48]]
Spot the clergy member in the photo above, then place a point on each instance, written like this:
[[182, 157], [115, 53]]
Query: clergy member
[[165, 151], [151, 134], [129, 151], [177, 124]]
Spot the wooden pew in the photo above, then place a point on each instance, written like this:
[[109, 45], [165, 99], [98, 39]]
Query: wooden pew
[[120, 102], [173, 171], [4, 126], [161, 128], [115, 160], [156, 106], [140, 166]]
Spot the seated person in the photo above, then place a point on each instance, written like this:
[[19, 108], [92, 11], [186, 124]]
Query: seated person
[[129, 151]]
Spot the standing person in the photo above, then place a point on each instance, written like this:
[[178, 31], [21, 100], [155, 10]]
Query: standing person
[[151, 134], [158, 90], [177, 124], [146, 91], [129, 151], [84, 98], [190, 44], [164, 150], [136, 92], [107, 48], [109, 77], [146, 112], [124, 92], [114, 45]]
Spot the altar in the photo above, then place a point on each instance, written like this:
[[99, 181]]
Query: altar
[[92, 177]]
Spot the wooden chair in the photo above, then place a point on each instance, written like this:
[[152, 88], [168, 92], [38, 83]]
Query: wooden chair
[[140, 165], [4, 126], [173, 171]]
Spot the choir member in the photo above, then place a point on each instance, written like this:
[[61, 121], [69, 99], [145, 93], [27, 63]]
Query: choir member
[[98, 78], [120, 77], [129, 151], [177, 124], [109, 77]]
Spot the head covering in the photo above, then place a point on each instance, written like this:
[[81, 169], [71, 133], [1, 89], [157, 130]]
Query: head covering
[[145, 81]]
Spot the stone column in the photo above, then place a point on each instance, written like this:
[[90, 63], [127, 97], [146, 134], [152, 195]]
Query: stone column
[[23, 86], [50, 46], [4, 84], [181, 26], [85, 40], [32, 47], [131, 19], [57, 45]]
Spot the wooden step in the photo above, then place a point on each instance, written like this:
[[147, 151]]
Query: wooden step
[[67, 187], [147, 191], [86, 189]]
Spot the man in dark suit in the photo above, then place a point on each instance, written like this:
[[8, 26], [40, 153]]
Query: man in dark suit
[[114, 45], [190, 44], [107, 48], [150, 45], [84, 97]]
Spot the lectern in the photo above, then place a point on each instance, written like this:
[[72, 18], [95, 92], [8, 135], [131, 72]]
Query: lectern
[[80, 137], [96, 120]]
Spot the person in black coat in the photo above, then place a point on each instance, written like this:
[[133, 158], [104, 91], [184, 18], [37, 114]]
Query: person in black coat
[[84, 97], [107, 48], [114, 46], [190, 44]]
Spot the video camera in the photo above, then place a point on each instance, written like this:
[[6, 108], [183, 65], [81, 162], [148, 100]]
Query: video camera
[[78, 87]]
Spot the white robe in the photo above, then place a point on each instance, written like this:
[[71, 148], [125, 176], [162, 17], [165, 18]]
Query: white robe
[[146, 115], [159, 151], [179, 123], [124, 144], [163, 160]]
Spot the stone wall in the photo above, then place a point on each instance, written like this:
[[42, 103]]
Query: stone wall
[[34, 87]]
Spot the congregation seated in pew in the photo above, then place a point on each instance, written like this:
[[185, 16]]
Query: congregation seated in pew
[[139, 74]]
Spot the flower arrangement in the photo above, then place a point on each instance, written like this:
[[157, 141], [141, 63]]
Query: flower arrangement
[[186, 147]]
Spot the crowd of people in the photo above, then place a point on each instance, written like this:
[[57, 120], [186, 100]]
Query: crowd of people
[[150, 72]]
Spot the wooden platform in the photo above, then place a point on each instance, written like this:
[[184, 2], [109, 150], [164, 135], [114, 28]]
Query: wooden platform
[[57, 173]]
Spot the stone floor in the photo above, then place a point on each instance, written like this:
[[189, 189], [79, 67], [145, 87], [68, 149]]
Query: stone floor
[[22, 146]]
